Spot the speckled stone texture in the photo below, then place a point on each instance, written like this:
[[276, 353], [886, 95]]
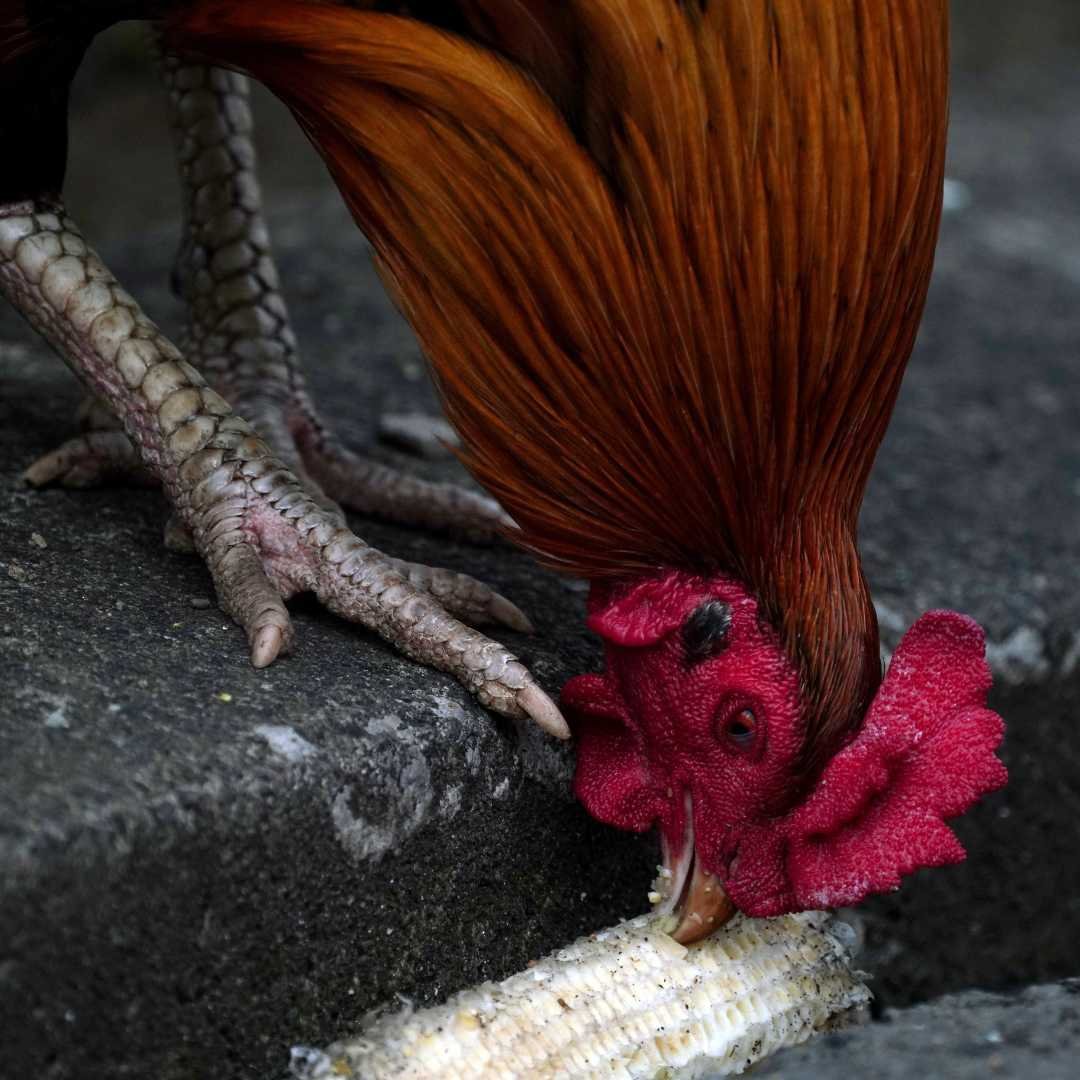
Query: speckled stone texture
[[971, 1036], [201, 864]]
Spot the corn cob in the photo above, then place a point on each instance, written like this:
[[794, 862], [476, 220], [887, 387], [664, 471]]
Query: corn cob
[[626, 1002]]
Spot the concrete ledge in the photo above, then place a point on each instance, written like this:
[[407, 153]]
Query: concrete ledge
[[194, 855], [961, 1037]]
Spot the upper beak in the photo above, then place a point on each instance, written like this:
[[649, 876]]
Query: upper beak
[[692, 894]]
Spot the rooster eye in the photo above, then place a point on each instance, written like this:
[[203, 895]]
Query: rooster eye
[[742, 728]]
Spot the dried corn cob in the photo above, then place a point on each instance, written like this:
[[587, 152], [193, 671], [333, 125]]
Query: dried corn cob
[[626, 1002]]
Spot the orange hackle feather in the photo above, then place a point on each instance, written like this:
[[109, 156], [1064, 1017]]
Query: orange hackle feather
[[667, 260]]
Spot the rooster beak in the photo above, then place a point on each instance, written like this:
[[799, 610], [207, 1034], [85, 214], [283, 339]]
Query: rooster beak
[[690, 894], [705, 907]]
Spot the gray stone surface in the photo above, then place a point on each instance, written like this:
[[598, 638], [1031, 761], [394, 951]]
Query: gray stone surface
[[971, 1036], [187, 880]]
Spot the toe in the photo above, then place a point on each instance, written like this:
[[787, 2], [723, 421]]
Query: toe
[[464, 596], [372, 488], [50, 468], [539, 707], [177, 537], [247, 594], [369, 588], [266, 643], [88, 461], [509, 614]]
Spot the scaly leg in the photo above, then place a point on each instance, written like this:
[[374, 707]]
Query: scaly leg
[[238, 325], [261, 534], [239, 334]]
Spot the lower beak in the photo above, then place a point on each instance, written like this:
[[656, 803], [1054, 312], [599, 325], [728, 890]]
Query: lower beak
[[690, 894], [705, 907]]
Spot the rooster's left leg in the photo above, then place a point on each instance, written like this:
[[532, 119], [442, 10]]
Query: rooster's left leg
[[239, 334]]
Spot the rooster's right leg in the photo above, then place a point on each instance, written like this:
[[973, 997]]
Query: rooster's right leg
[[263, 537]]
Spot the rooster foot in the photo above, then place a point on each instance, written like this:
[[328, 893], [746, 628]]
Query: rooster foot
[[263, 535], [265, 539]]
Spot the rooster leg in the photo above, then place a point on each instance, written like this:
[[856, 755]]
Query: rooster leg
[[239, 332], [263, 537]]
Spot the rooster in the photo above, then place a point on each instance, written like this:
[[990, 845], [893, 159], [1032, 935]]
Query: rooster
[[668, 260]]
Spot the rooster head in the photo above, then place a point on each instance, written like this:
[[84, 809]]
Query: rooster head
[[697, 726]]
